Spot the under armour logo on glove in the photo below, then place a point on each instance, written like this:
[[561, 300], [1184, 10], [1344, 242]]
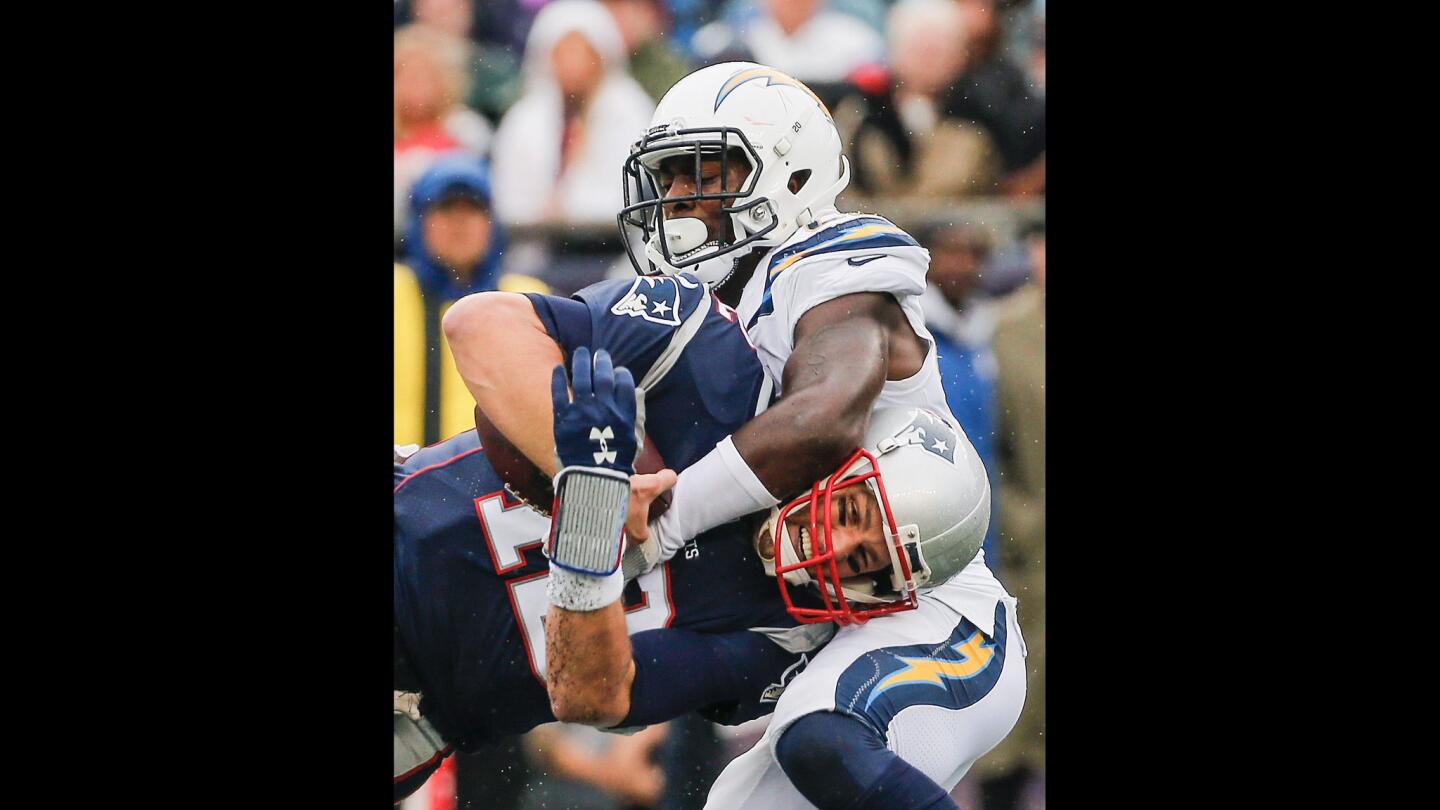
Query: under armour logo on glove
[[605, 455], [604, 395], [592, 489]]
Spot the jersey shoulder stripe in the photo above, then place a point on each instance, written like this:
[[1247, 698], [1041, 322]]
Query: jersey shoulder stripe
[[863, 233], [436, 456]]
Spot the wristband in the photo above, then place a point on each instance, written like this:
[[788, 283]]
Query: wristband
[[583, 592], [587, 531]]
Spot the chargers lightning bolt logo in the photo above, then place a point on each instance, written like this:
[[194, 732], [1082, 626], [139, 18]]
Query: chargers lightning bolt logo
[[952, 673], [604, 454], [975, 654], [771, 77]]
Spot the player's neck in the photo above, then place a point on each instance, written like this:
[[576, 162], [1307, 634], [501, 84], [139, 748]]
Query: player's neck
[[734, 287]]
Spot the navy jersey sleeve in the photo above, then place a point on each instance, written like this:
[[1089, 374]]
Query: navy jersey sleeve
[[712, 389], [566, 319], [729, 677], [836, 761], [634, 320]]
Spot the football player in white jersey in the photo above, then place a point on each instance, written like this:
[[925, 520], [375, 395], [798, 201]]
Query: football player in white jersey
[[735, 181]]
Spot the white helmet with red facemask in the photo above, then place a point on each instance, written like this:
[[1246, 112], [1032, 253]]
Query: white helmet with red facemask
[[934, 501]]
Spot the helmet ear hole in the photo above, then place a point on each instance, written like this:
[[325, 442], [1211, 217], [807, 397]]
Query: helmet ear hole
[[798, 180], [735, 156]]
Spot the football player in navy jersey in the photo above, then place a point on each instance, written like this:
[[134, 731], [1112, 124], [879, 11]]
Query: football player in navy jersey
[[709, 630]]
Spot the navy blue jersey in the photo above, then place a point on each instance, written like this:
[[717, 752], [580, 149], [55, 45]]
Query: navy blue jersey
[[470, 579], [716, 385]]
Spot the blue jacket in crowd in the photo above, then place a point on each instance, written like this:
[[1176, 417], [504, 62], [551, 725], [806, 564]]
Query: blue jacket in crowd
[[967, 373], [447, 175]]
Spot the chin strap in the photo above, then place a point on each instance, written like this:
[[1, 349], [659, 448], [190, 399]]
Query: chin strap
[[831, 192]]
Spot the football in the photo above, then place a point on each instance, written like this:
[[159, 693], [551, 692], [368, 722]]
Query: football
[[527, 482]]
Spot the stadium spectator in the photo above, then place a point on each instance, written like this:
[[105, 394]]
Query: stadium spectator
[[1037, 60], [1026, 28], [997, 94], [902, 142], [690, 16], [654, 63], [493, 69], [430, 118], [961, 319], [452, 248], [740, 13], [498, 23], [1017, 765], [718, 42], [559, 149], [810, 42]]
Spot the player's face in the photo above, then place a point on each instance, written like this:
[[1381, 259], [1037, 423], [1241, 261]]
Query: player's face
[[677, 179], [857, 528]]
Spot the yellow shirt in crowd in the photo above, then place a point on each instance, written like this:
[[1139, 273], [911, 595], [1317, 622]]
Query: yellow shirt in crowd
[[456, 405]]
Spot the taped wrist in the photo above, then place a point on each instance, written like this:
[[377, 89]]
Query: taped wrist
[[583, 592], [587, 530], [639, 558]]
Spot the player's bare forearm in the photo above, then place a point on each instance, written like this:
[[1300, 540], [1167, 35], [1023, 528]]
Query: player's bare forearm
[[504, 354], [590, 667], [834, 374]]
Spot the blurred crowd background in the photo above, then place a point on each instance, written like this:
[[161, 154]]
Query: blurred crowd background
[[512, 121]]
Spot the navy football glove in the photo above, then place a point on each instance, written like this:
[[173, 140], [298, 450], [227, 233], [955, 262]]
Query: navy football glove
[[595, 439], [598, 428]]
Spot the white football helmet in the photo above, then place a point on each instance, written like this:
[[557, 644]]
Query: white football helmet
[[934, 497], [780, 127]]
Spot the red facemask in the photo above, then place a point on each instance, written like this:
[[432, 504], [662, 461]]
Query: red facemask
[[820, 566]]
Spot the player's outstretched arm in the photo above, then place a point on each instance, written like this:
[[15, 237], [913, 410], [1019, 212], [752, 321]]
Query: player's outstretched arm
[[590, 669], [504, 354]]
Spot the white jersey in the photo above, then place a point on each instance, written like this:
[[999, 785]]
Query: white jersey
[[850, 253], [940, 693]]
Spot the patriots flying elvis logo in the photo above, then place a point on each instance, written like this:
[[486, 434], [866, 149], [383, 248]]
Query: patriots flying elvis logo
[[654, 298], [771, 77], [773, 692], [930, 431]]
